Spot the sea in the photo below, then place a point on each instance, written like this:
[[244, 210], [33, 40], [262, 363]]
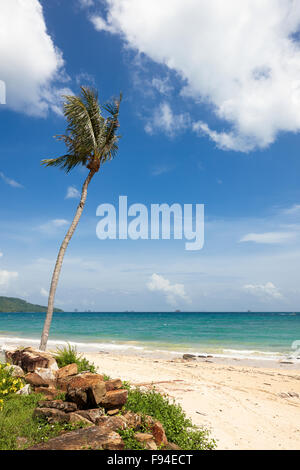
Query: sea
[[231, 334]]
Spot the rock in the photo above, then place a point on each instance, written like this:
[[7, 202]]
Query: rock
[[25, 390], [189, 357], [78, 396], [113, 384], [51, 415], [67, 407], [41, 378], [91, 415], [35, 380], [111, 423], [95, 394], [87, 397], [83, 380], [113, 412], [114, 399], [146, 440], [75, 418], [15, 371], [171, 446], [67, 371], [159, 435], [93, 438], [30, 359], [150, 445], [50, 393], [134, 420]]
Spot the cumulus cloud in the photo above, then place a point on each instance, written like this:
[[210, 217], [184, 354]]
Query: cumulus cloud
[[30, 61], [267, 290], [164, 119], [72, 193], [268, 237], [240, 57], [10, 181], [173, 292], [6, 277]]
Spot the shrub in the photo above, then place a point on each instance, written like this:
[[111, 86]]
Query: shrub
[[8, 384], [69, 355], [178, 428]]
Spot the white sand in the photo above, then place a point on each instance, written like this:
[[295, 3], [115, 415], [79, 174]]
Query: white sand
[[240, 404]]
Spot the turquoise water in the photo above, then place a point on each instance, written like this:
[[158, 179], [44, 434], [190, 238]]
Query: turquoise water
[[220, 333]]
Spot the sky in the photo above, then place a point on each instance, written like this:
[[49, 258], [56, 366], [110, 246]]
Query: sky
[[210, 115]]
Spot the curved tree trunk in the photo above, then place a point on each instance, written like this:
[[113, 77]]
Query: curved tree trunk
[[60, 257]]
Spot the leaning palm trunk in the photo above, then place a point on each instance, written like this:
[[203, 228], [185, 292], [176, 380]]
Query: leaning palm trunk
[[59, 261], [91, 140]]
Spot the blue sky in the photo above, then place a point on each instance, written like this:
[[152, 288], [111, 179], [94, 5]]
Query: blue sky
[[211, 115]]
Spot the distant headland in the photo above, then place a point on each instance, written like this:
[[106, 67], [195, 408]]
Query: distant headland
[[14, 305]]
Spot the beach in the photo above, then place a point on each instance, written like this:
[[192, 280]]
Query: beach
[[244, 406]]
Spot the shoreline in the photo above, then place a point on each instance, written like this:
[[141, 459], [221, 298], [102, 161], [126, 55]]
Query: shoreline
[[133, 348]]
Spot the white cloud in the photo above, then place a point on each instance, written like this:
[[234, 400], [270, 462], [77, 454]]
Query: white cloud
[[240, 57], [53, 225], [1, 254], [44, 292], [7, 276], [30, 62], [72, 193], [162, 85], [86, 3], [10, 181], [267, 290], [173, 292], [268, 237], [165, 120]]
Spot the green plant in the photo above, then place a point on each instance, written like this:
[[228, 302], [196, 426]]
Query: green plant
[[69, 355], [178, 428], [19, 429], [106, 377], [131, 443], [8, 383]]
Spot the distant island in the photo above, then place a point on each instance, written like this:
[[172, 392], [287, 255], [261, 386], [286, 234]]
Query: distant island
[[14, 305]]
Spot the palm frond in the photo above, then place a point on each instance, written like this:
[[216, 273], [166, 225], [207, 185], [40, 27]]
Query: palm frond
[[89, 136]]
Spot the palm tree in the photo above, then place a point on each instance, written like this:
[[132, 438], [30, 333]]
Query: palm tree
[[91, 140]]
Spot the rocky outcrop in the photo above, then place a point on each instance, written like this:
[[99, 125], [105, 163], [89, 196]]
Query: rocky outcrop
[[67, 371], [91, 438], [146, 439], [114, 399], [29, 359], [58, 405], [15, 371], [159, 434], [88, 400], [42, 377]]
